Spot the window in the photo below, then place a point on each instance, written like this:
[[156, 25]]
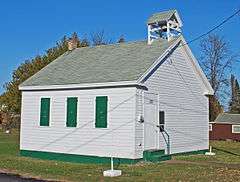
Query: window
[[210, 127], [101, 112], [44, 111], [235, 128], [72, 111], [161, 120]]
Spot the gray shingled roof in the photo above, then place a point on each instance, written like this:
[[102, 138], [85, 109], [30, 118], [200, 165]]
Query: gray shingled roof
[[162, 16], [228, 118], [106, 63]]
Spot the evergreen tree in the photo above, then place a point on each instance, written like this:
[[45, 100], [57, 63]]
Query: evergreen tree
[[234, 105]]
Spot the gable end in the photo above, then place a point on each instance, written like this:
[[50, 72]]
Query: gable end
[[207, 89]]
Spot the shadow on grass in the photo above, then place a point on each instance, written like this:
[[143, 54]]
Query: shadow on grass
[[226, 151]]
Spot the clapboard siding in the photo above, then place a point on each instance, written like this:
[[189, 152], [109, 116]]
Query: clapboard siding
[[182, 98], [116, 140], [139, 132]]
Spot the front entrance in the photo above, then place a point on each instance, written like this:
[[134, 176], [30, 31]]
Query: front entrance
[[150, 122]]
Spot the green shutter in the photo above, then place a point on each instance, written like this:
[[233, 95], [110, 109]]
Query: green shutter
[[101, 112], [45, 112], [72, 112]]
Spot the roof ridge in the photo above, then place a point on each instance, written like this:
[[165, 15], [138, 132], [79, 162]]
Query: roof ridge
[[166, 11], [123, 43], [105, 63], [113, 44], [118, 44]]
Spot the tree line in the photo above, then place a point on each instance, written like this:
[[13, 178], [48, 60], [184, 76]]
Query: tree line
[[216, 61], [10, 100]]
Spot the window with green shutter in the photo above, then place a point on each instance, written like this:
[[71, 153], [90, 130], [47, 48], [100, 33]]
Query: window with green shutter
[[72, 111], [101, 112], [45, 112]]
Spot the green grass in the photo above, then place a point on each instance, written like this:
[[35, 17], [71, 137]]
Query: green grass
[[228, 152], [182, 168]]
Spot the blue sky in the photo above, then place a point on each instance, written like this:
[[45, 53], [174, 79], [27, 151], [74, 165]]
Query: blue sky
[[28, 28]]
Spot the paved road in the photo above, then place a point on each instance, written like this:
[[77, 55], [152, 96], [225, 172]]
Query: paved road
[[16, 178]]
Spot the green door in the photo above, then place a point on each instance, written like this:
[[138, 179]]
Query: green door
[[101, 112], [72, 112], [45, 112]]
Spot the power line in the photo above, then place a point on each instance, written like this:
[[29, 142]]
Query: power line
[[110, 131], [102, 135], [199, 37], [82, 126], [175, 106], [187, 43], [188, 137], [213, 29], [185, 82]]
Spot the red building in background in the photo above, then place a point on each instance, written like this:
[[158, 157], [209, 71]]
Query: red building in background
[[225, 127]]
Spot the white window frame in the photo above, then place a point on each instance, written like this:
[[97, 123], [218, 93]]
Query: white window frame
[[233, 128], [210, 127]]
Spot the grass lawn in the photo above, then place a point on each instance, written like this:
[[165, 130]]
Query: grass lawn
[[225, 166], [227, 153]]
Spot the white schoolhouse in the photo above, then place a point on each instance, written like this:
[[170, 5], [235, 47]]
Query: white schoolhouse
[[131, 101]]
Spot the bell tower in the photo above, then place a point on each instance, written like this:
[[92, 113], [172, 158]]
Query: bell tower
[[164, 25]]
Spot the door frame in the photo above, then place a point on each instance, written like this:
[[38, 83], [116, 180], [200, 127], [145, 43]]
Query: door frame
[[156, 98]]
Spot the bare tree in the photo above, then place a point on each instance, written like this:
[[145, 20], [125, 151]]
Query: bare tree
[[216, 62], [99, 38]]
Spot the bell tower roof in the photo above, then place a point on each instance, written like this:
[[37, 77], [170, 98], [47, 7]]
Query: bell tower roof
[[166, 25], [165, 16]]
